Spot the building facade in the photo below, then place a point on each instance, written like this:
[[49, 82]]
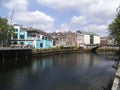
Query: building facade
[[107, 41], [87, 39], [31, 37], [66, 39]]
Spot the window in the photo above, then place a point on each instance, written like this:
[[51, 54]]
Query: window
[[91, 39], [41, 44], [33, 35], [15, 30], [15, 36], [21, 42], [14, 42], [21, 36], [43, 37]]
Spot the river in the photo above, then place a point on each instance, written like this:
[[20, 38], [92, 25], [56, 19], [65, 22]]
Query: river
[[74, 71]]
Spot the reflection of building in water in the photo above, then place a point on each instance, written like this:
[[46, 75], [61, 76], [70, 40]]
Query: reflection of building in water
[[87, 60], [39, 65]]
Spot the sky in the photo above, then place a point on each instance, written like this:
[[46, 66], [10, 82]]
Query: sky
[[61, 15]]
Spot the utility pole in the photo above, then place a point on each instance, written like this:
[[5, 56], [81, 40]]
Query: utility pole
[[9, 25], [11, 16]]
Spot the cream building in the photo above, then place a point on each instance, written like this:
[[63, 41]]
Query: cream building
[[87, 38]]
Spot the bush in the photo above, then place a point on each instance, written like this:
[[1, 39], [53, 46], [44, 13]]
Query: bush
[[61, 47]]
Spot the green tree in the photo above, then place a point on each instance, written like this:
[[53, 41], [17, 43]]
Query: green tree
[[114, 28], [6, 31]]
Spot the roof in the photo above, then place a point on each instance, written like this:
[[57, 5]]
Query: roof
[[89, 33], [38, 31]]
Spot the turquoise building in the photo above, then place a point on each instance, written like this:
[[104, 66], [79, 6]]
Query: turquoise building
[[30, 37]]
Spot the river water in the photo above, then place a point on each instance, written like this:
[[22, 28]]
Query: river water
[[74, 71]]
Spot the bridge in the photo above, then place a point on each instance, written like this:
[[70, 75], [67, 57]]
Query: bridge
[[94, 48]]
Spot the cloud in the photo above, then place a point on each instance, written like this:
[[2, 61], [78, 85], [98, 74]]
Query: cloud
[[93, 15], [25, 17], [78, 20], [18, 5], [98, 10], [79, 4], [104, 11], [98, 29], [90, 15], [66, 4], [64, 28], [36, 18]]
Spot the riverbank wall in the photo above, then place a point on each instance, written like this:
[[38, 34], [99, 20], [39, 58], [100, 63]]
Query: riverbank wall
[[116, 81], [14, 53], [40, 52], [53, 52]]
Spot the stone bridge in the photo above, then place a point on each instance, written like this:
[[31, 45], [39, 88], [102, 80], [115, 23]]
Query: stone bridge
[[94, 48]]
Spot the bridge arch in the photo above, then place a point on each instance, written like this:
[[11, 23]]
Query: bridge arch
[[93, 50]]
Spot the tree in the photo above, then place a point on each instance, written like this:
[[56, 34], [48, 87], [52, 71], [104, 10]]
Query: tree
[[6, 32], [114, 28]]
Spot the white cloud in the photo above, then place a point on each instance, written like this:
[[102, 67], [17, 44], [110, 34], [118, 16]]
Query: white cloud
[[32, 18], [35, 19], [99, 10], [17, 4], [64, 4], [79, 4], [91, 15], [98, 29], [64, 28], [104, 11], [79, 20]]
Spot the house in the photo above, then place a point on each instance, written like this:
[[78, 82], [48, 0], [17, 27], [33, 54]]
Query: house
[[103, 40], [87, 39], [107, 41], [39, 39], [66, 39], [20, 35], [31, 37]]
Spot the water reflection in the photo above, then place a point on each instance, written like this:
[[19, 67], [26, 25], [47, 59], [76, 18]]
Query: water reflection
[[78, 71], [40, 64]]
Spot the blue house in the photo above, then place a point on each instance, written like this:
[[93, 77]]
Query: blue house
[[31, 37], [39, 39]]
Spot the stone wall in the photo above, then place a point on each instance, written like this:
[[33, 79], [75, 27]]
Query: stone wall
[[116, 82]]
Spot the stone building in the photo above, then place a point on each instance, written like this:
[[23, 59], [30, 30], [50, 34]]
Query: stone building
[[66, 39]]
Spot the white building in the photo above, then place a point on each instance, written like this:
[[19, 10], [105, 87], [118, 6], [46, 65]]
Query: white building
[[87, 38], [31, 37]]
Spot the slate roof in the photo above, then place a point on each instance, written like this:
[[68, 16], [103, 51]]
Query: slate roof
[[89, 33]]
